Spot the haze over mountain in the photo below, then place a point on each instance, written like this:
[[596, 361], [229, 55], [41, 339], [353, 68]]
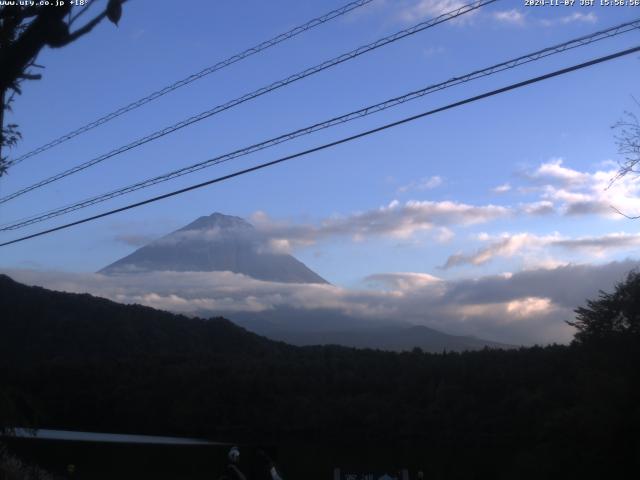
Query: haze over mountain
[[216, 243], [330, 327]]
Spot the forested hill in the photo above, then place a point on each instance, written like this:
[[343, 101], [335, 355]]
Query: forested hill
[[42, 325], [79, 362]]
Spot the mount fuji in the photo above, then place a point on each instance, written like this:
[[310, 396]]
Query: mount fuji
[[216, 243]]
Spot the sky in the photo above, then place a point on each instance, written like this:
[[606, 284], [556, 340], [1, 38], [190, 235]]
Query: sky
[[504, 192]]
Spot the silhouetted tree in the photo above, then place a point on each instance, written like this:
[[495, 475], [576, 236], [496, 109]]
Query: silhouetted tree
[[24, 31], [628, 141], [612, 314]]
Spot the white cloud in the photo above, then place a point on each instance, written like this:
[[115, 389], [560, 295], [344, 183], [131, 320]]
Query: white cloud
[[403, 281], [514, 311], [504, 188], [507, 245], [556, 173], [572, 192], [528, 306], [417, 10], [533, 247], [395, 220], [513, 16], [543, 207], [445, 235], [424, 9], [576, 17]]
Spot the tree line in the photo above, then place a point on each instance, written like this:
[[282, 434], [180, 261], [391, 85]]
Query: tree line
[[80, 362]]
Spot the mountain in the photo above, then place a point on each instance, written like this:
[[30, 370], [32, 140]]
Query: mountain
[[226, 243], [331, 327], [216, 243], [44, 325]]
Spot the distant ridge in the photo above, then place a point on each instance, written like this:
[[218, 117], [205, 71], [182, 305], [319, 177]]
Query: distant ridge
[[216, 243], [331, 327]]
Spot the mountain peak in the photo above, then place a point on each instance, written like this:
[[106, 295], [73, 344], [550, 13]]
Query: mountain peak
[[217, 220], [212, 243]]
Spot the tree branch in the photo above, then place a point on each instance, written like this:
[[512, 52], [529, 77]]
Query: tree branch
[[83, 31]]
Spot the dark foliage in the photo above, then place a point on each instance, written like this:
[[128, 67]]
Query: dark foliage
[[13, 468], [88, 363], [612, 315]]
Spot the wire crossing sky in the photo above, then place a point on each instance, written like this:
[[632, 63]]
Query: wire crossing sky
[[445, 17], [509, 64], [335, 143], [465, 223], [349, 7]]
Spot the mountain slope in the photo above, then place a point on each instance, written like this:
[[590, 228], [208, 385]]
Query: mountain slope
[[40, 324], [216, 243]]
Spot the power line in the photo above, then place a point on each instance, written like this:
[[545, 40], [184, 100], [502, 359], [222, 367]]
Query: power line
[[334, 143], [256, 93], [196, 76], [524, 59]]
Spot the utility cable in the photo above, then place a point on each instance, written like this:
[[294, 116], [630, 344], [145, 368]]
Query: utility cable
[[196, 76], [393, 102], [256, 93], [325, 146]]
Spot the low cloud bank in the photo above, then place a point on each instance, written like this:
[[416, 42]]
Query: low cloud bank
[[522, 308]]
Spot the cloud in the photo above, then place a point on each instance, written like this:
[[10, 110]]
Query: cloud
[[423, 9], [444, 235], [601, 245], [504, 188], [560, 190], [529, 306], [426, 183], [402, 281], [543, 207], [544, 296], [395, 220], [576, 193], [554, 172], [523, 308], [506, 246], [418, 10], [512, 17], [530, 246], [576, 17]]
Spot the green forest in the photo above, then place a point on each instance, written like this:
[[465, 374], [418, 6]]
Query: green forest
[[72, 361]]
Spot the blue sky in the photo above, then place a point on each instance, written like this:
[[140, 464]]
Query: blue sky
[[508, 184]]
